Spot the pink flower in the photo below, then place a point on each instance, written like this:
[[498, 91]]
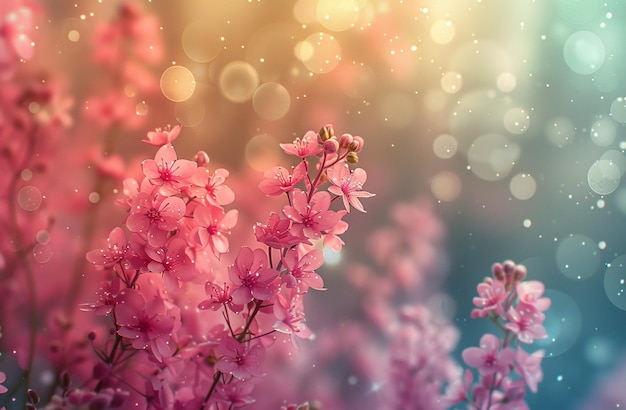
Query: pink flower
[[313, 218], [212, 187], [252, 276], [530, 293], [146, 323], [155, 216], [526, 323], [212, 227], [457, 391], [235, 394], [488, 358], [332, 239], [301, 268], [348, 185], [277, 180], [289, 312], [172, 261], [107, 298], [242, 360], [276, 234], [218, 297], [491, 296], [529, 366], [304, 147], [15, 43], [3, 378], [162, 136], [117, 250], [167, 172]]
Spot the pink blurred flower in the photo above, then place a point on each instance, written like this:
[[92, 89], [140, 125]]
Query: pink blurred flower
[[348, 185], [242, 360], [289, 312], [168, 172], [235, 394], [488, 358], [526, 323], [491, 296], [310, 218], [529, 366], [16, 23], [277, 180], [162, 136], [3, 378], [530, 292], [252, 276], [304, 147]]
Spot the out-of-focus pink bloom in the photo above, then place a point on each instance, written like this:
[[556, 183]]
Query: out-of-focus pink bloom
[[212, 187], [488, 358], [168, 172], [526, 322], [113, 108], [491, 296], [213, 226], [242, 360], [219, 297], [277, 233], [513, 397], [154, 216], [235, 394], [162, 136], [313, 218], [529, 366], [107, 298], [457, 391], [301, 269], [307, 146], [277, 180], [348, 185], [289, 312], [3, 378], [530, 292], [16, 23], [252, 276], [146, 323]]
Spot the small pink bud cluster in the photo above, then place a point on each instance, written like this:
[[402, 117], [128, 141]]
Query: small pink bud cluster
[[517, 307]]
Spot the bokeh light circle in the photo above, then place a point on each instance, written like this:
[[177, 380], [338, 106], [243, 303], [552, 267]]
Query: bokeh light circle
[[238, 81], [584, 52], [615, 282], [617, 158], [445, 146], [446, 186], [603, 132], [523, 186], [320, 53], [492, 156], [604, 177], [563, 323], [42, 253], [506, 82], [516, 120], [271, 101], [29, 198], [260, 153], [577, 257], [191, 112], [618, 110], [177, 83], [451, 82], [560, 131], [442, 31], [200, 41], [337, 15]]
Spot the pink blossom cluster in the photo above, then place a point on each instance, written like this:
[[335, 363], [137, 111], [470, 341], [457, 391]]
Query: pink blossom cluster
[[175, 239], [17, 21], [505, 371]]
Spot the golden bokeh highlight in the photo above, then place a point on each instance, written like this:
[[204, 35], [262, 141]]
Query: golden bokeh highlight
[[337, 15], [200, 42], [238, 81], [320, 53], [178, 83], [260, 153], [271, 101], [446, 186], [442, 31], [190, 113]]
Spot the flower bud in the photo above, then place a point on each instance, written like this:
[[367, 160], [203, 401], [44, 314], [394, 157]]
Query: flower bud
[[331, 146], [345, 140], [520, 273], [352, 158], [356, 145], [327, 132], [201, 158], [498, 271]]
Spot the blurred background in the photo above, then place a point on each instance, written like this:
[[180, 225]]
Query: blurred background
[[505, 116]]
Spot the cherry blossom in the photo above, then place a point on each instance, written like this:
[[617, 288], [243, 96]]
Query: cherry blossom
[[168, 172], [212, 187], [348, 185], [526, 323], [212, 226], [305, 147], [491, 295], [162, 136], [489, 358], [242, 360], [277, 233], [529, 366], [290, 318], [172, 261], [310, 218], [252, 276], [301, 269], [277, 180]]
